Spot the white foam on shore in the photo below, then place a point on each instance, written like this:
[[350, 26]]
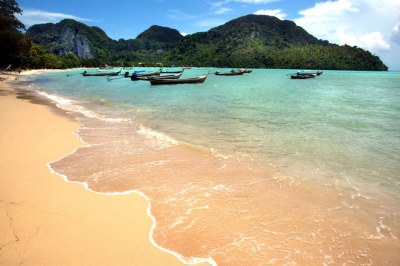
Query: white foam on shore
[[161, 139], [188, 261], [72, 106]]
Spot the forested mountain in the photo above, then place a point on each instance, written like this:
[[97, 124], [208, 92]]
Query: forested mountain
[[70, 35], [265, 41], [160, 34], [273, 31], [248, 41]]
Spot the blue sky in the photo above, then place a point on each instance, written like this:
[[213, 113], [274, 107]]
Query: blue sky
[[371, 24]]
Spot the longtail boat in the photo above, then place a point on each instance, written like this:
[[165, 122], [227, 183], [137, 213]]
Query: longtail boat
[[160, 77], [101, 74], [302, 76], [231, 73], [137, 76], [170, 71], [310, 72], [164, 81]]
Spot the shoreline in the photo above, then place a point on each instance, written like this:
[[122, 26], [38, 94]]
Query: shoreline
[[189, 224], [190, 261], [42, 213]]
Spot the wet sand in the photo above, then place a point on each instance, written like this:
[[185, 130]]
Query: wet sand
[[47, 221]]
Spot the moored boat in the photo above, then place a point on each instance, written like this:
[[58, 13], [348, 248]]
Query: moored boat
[[164, 81], [310, 72], [159, 77], [138, 76], [231, 73], [303, 76], [101, 74], [171, 71]]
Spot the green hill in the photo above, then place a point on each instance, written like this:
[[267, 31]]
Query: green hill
[[271, 30], [248, 41], [69, 35], [160, 34], [268, 42]]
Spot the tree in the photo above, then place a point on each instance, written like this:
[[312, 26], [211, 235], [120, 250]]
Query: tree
[[36, 56], [8, 9], [13, 45]]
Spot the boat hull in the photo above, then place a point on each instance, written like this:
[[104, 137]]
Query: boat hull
[[101, 74], [161, 81]]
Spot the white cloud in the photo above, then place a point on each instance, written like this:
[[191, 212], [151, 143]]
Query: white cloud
[[330, 9], [272, 12], [222, 10], [369, 24], [34, 16], [395, 37], [373, 41]]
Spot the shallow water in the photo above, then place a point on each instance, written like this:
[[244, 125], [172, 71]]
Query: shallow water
[[248, 170]]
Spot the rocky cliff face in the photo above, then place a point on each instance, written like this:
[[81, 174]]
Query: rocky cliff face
[[77, 43], [70, 36]]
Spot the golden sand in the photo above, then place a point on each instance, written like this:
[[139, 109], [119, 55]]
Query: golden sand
[[47, 221]]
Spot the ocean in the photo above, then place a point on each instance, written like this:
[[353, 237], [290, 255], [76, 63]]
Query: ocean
[[256, 169]]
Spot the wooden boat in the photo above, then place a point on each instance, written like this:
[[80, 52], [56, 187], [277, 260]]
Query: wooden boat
[[164, 81], [101, 74], [302, 76], [171, 72], [160, 77], [137, 76], [231, 73], [247, 70], [309, 72]]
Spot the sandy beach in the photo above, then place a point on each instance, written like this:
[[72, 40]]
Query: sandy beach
[[47, 221], [210, 203]]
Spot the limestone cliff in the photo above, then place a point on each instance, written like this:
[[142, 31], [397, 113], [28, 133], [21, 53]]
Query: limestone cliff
[[70, 36], [75, 42]]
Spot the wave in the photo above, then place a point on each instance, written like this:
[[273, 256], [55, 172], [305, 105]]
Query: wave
[[69, 105], [185, 260], [162, 139], [72, 106]]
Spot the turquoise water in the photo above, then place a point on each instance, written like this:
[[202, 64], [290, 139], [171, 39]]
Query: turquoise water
[[342, 121], [247, 170]]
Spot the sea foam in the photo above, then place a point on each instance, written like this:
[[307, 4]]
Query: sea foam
[[72, 106]]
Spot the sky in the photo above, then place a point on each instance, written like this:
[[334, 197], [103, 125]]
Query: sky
[[373, 25]]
